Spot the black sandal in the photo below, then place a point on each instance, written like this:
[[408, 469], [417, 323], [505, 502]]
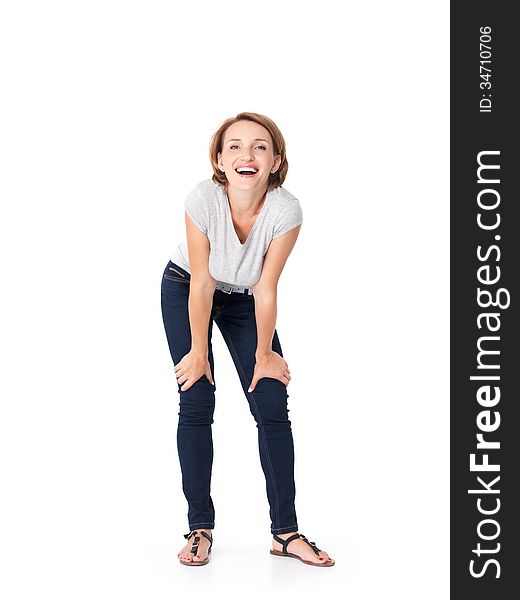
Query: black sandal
[[284, 552], [195, 548]]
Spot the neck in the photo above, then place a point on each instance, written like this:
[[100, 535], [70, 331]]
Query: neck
[[245, 203]]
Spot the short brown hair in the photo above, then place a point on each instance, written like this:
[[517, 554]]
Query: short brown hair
[[275, 179]]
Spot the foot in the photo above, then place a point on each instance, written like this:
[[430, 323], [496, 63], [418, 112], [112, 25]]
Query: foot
[[202, 552], [301, 549]]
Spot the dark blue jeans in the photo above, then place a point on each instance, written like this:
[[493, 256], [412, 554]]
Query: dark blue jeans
[[234, 314]]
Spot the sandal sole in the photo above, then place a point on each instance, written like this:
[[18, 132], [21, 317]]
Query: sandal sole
[[330, 563], [195, 564]]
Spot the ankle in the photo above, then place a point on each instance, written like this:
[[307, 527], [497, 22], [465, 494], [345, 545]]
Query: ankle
[[206, 531], [284, 536], [199, 529]]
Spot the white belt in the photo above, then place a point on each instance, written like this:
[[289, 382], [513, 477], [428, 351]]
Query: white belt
[[227, 289]]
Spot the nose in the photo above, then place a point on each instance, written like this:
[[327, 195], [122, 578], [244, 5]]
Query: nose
[[248, 155]]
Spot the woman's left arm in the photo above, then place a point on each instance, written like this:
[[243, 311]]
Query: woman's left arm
[[268, 362]]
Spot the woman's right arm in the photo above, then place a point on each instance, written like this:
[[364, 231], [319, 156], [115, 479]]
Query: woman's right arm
[[200, 301], [202, 285]]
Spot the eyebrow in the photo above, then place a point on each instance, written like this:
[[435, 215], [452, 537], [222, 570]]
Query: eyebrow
[[239, 140]]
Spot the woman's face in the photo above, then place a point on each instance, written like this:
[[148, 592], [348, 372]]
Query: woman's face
[[248, 144]]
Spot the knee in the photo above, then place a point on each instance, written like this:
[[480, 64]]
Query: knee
[[269, 403], [197, 404]]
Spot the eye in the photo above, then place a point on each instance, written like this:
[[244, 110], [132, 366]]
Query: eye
[[263, 147], [233, 146]]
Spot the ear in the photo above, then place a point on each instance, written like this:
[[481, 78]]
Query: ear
[[277, 162]]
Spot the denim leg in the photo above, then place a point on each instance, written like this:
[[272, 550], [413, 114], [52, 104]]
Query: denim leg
[[197, 404], [268, 404]]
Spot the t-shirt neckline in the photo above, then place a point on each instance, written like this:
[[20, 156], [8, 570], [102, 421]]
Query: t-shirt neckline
[[230, 218]]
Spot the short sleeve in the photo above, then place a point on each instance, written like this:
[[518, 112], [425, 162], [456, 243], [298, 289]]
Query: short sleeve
[[195, 205], [290, 216]]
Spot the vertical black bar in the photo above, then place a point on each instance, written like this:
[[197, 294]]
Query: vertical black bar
[[484, 120]]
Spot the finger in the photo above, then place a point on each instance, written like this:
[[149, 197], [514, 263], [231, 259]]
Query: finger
[[253, 384], [177, 367], [182, 378], [186, 386], [287, 375], [285, 380]]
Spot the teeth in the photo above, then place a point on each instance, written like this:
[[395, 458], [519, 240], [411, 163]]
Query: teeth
[[246, 170]]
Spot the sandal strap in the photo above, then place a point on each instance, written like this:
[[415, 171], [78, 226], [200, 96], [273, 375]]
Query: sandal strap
[[311, 544], [208, 537], [195, 543], [196, 540], [285, 543]]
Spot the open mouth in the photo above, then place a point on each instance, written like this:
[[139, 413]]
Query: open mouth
[[247, 171]]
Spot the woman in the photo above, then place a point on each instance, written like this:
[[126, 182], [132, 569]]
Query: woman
[[241, 226]]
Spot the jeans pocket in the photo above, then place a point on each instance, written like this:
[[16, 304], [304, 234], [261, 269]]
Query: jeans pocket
[[175, 273], [176, 278]]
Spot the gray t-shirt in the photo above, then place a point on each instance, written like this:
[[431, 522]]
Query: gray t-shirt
[[230, 261]]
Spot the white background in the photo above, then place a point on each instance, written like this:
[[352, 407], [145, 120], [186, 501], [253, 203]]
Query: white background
[[106, 114]]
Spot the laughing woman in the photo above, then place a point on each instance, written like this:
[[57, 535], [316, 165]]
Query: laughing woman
[[241, 226]]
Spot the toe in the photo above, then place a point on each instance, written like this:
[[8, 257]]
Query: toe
[[324, 557], [328, 559]]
